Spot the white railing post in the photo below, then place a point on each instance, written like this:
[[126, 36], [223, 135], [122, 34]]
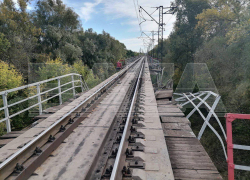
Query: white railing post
[[81, 78], [6, 111], [59, 90], [86, 86], [39, 99], [73, 85]]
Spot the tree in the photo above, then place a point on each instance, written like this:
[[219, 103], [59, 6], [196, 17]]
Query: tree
[[4, 44], [185, 38], [10, 77], [19, 31], [60, 26]]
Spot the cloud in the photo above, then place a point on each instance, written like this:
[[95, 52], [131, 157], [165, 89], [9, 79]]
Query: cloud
[[127, 13], [127, 9], [88, 9], [132, 43]]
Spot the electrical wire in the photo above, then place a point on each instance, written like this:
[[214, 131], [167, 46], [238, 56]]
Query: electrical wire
[[137, 15]]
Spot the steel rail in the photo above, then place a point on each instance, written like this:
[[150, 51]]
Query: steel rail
[[119, 153], [40, 136]]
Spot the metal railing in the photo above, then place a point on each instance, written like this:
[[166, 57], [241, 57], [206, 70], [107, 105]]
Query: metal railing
[[187, 98], [39, 94], [61, 119], [230, 146]]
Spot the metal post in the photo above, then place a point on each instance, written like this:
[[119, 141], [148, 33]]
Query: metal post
[[59, 90], [39, 99], [73, 85], [86, 84], [153, 44], [6, 112], [230, 159], [81, 83], [160, 33]]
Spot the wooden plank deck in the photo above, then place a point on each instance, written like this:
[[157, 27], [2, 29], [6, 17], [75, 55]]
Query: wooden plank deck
[[164, 94], [188, 158]]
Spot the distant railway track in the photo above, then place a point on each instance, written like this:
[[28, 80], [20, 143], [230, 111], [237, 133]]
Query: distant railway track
[[31, 155], [111, 160], [120, 169]]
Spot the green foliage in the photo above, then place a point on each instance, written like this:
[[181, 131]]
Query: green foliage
[[92, 80], [52, 31], [184, 40], [100, 48], [87, 74], [131, 54], [59, 25], [51, 41], [216, 32], [10, 77], [20, 32], [4, 43], [53, 68]]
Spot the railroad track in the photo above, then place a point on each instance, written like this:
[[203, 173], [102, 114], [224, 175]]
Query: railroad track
[[113, 131], [113, 157], [22, 163]]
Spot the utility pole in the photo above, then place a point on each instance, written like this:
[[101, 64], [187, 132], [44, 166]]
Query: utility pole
[[160, 33], [160, 26], [153, 39]]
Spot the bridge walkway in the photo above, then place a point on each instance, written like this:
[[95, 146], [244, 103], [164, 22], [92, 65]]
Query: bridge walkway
[[188, 158]]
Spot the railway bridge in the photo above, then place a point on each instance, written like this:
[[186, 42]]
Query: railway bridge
[[120, 129]]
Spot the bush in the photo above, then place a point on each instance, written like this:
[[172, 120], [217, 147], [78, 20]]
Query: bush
[[9, 78]]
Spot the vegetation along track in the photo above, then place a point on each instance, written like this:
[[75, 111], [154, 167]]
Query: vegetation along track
[[24, 162]]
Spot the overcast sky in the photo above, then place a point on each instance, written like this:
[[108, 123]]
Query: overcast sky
[[119, 18]]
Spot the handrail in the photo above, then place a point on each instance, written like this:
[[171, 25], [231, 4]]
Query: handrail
[[37, 83], [38, 137], [38, 94], [229, 119], [187, 97], [230, 146]]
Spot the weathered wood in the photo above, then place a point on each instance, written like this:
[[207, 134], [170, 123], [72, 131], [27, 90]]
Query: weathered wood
[[176, 126], [183, 165], [163, 109], [189, 159], [166, 119], [42, 116], [170, 114], [10, 135], [163, 102], [195, 174], [4, 141], [164, 94], [178, 133], [165, 105]]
